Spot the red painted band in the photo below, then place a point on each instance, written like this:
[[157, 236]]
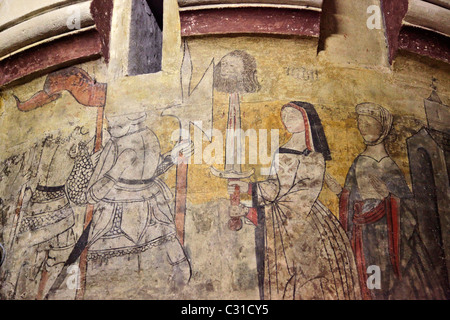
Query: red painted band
[[250, 21], [49, 56]]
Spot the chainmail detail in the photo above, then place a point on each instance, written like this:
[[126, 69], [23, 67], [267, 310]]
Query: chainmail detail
[[79, 177], [32, 223], [41, 196], [108, 254], [116, 229]]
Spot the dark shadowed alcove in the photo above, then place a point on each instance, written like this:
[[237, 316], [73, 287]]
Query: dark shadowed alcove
[[146, 37]]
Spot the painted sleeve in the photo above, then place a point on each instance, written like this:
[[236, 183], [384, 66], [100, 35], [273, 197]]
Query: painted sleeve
[[346, 199], [102, 187], [395, 181]]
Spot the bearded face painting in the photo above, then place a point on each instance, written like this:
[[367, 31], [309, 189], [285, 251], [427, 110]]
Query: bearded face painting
[[377, 211], [306, 253], [236, 73]]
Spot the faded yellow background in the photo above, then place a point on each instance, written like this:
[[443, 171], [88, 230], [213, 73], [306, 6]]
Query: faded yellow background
[[289, 69], [333, 90]]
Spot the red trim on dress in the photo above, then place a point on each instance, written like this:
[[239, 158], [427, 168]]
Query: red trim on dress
[[343, 208], [389, 208]]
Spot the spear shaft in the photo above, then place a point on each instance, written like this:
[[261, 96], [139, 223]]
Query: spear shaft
[[89, 209]]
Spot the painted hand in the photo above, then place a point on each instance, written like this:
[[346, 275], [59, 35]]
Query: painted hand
[[332, 184], [90, 199], [95, 157], [186, 148], [379, 186], [238, 211], [27, 196], [243, 186], [27, 175]]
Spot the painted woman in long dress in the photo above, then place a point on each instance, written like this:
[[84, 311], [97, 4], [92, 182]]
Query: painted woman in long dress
[[307, 255], [377, 211]]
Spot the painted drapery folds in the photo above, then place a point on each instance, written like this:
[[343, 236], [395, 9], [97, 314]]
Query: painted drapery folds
[[247, 168]]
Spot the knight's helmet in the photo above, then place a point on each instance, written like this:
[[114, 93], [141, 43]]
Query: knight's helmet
[[136, 118]]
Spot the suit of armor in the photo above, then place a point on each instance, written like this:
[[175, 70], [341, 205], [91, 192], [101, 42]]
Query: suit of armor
[[132, 205]]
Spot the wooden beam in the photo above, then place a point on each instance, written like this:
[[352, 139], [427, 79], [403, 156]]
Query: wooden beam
[[50, 56], [425, 43], [250, 21]]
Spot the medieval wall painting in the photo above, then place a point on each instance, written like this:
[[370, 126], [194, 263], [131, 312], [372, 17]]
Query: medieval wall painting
[[295, 220], [428, 155], [377, 206], [107, 204]]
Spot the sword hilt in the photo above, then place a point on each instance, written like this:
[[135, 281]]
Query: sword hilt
[[235, 198], [235, 222]]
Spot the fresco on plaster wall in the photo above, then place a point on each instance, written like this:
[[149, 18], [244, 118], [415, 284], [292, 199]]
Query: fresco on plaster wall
[[428, 152], [53, 177], [306, 253], [128, 209], [132, 209], [39, 212], [378, 213], [289, 219], [113, 190]]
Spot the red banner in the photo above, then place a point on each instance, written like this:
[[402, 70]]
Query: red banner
[[74, 80]]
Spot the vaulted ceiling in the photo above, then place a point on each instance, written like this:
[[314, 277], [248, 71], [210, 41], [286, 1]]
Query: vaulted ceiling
[[419, 26]]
